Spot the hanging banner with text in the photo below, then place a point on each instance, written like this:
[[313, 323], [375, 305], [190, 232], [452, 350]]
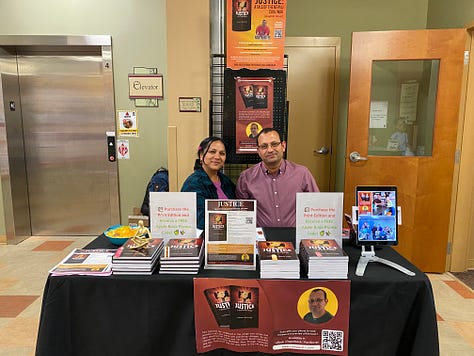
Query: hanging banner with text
[[253, 111], [272, 316], [255, 34]]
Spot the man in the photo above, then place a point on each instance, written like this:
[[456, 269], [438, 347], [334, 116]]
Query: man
[[262, 31], [253, 130], [274, 182], [317, 305]]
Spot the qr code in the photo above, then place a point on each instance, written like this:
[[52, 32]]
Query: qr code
[[278, 33], [332, 340], [249, 220]]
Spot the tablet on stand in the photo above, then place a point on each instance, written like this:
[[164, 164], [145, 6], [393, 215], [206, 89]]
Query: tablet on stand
[[377, 217]]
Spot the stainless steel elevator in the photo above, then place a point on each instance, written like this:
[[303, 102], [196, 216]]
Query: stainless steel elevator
[[57, 108]]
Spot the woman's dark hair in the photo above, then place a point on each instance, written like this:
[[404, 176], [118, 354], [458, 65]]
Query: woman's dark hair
[[204, 147]]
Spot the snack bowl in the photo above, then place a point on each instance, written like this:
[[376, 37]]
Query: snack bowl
[[118, 234]]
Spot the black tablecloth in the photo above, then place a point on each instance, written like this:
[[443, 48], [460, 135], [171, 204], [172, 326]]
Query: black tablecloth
[[390, 313]]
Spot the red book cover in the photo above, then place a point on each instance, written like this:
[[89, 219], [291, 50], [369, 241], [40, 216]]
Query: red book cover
[[128, 250], [219, 302], [276, 250], [321, 248], [183, 248]]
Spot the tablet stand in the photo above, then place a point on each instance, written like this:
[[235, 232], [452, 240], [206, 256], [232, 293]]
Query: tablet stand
[[369, 256]]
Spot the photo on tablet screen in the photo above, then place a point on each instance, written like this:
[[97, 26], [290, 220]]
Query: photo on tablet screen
[[377, 222]]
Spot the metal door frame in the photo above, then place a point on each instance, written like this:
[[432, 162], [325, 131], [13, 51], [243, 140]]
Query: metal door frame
[[16, 234]]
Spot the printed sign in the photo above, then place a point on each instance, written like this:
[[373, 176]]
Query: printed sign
[[255, 34], [272, 316]]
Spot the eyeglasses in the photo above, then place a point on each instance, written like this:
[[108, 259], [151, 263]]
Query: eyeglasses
[[266, 145], [317, 300]]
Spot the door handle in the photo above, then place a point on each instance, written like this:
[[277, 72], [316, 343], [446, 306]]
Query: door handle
[[322, 151], [356, 157]]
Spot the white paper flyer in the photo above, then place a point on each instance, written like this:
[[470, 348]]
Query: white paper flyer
[[319, 215]]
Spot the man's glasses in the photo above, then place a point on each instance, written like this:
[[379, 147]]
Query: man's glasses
[[266, 145], [317, 300]]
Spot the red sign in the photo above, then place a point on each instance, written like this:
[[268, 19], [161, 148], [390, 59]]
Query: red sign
[[272, 316], [253, 111]]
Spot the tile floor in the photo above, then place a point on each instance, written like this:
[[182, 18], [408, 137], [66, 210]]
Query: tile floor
[[24, 268]]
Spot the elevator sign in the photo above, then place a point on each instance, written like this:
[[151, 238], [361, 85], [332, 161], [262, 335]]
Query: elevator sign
[[145, 86]]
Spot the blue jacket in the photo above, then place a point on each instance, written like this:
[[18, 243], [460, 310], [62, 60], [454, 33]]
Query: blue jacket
[[200, 183]]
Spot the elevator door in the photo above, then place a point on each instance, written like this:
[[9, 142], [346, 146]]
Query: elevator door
[[65, 105]]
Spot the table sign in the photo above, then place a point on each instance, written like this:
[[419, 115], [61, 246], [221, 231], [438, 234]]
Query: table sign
[[173, 214], [319, 216], [230, 234], [272, 316]]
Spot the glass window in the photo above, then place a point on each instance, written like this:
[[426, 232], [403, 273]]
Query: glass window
[[402, 107]]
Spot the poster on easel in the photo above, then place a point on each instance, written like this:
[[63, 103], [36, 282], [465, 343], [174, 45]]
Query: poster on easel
[[319, 216], [255, 34], [253, 111], [230, 234]]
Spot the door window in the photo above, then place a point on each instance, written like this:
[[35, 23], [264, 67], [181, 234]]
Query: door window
[[402, 107]]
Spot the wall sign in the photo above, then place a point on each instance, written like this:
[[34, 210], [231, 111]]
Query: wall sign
[[189, 104], [145, 86]]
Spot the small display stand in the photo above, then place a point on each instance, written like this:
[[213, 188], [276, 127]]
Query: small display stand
[[369, 256]]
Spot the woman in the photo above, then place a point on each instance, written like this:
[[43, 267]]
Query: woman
[[207, 180]]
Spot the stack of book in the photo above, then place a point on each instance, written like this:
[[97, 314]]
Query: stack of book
[[131, 259], [323, 259], [278, 259], [182, 256]]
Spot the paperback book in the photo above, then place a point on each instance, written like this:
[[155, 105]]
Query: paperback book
[[278, 259], [129, 251], [182, 256], [142, 260], [323, 258]]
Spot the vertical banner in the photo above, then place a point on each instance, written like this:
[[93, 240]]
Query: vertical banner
[[255, 34], [253, 111]]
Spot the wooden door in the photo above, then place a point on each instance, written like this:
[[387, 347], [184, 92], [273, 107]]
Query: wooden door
[[424, 176], [313, 69]]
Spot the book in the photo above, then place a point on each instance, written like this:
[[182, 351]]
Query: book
[[143, 260], [320, 248], [182, 249], [95, 262], [146, 253], [323, 258], [278, 259], [219, 302], [182, 256]]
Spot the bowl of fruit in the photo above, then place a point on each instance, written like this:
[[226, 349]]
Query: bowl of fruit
[[118, 234]]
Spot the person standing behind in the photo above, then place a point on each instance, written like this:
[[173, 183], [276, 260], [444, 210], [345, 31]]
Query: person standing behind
[[274, 182], [207, 180]]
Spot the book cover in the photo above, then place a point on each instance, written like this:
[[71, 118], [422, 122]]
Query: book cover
[[219, 302], [147, 252], [244, 307], [185, 248], [314, 248], [276, 251], [217, 227]]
